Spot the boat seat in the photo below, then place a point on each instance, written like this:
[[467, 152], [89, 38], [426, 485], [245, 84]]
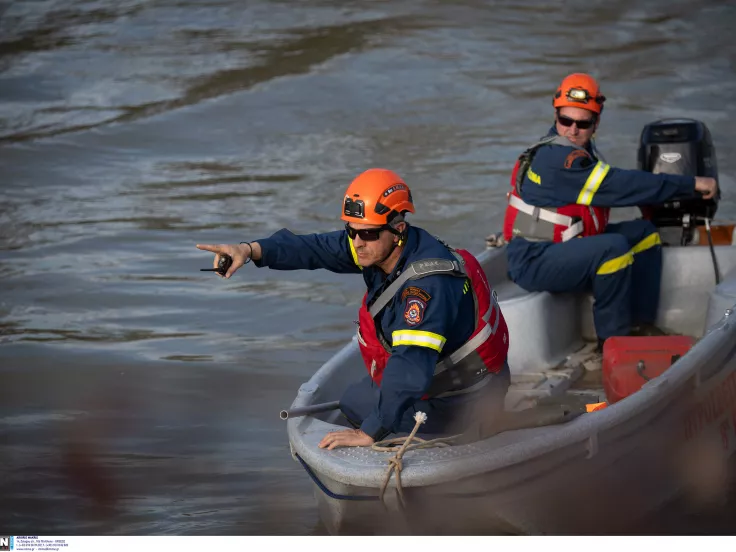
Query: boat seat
[[509, 290], [550, 321], [544, 328]]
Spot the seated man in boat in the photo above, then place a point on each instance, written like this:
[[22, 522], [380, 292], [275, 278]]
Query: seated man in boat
[[431, 332], [557, 218]]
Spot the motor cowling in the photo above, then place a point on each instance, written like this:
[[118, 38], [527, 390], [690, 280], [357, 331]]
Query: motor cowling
[[679, 146]]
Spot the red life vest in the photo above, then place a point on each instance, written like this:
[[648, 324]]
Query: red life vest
[[461, 370], [556, 224]]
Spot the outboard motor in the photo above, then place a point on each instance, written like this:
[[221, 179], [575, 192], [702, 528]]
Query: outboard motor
[[679, 146]]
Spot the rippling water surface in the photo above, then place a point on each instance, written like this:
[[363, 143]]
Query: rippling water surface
[[140, 396]]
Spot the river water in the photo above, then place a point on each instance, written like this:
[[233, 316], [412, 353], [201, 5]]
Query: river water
[[141, 396]]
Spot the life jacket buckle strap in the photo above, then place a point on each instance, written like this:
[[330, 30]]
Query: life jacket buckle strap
[[485, 380], [574, 228], [468, 347]]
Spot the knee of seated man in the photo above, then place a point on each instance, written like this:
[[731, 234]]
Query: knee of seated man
[[647, 226], [643, 227], [636, 229], [615, 245]]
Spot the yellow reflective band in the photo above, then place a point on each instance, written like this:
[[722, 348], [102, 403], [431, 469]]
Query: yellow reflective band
[[534, 177], [420, 339], [354, 253], [647, 243], [614, 265], [593, 183]]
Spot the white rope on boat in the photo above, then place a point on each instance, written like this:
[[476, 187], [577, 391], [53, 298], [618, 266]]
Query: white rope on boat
[[402, 445]]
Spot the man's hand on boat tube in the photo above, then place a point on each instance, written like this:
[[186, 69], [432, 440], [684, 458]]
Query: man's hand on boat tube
[[346, 438], [240, 254]]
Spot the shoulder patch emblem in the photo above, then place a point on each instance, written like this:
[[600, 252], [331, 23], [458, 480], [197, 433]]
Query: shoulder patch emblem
[[415, 292], [575, 154], [414, 312]]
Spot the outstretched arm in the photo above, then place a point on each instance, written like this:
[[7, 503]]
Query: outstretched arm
[[562, 175], [285, 250]]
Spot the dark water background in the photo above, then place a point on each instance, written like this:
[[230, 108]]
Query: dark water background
[[140, 396]]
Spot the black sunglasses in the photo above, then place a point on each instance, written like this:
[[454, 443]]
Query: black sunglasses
[[370, 234], [582, 125]]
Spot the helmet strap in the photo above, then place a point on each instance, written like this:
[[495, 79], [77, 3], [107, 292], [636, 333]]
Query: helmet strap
[[402, 236], [392, 228]]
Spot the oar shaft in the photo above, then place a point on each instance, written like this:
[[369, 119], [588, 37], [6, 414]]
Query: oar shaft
[[307, 410]]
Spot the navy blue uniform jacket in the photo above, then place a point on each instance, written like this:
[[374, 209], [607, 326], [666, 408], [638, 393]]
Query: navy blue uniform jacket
[[449, 315]]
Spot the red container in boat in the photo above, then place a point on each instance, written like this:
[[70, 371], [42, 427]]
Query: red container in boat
[[629, 362]]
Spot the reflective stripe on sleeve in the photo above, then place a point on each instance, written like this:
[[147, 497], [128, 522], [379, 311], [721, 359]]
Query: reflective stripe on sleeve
[[419, 339], [593, 183]]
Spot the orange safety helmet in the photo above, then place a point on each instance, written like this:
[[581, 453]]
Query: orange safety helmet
[[579, 90], [376, 196]]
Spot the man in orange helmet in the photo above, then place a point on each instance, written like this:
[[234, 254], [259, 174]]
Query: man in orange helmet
[[431, 332], [557, 218]]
